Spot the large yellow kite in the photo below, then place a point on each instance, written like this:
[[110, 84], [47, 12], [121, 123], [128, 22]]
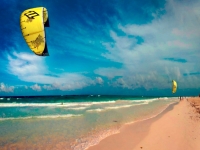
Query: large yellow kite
[[32, 22]]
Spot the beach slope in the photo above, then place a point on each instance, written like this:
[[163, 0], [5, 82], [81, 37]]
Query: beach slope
[[176, 128]]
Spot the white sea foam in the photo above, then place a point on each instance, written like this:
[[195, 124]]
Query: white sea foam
[[117, 107], [107, 102], [42, 117], [126, 106], [79, 105], [77, 108], [58, 116], [146, 100], [14, 104], [164, 98], [95, 110]]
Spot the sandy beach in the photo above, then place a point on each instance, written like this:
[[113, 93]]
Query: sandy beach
[[176, 128]]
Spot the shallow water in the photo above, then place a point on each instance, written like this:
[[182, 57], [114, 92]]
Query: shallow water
[[70, 125]]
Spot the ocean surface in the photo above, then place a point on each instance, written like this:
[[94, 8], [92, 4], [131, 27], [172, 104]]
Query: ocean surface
[[70, 122]]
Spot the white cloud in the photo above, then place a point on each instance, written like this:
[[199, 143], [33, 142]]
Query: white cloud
[[109, 72], [99, 80], [31, 68], [24, 64], [36, 87], [175, 34], [68, 81], [5, 88]]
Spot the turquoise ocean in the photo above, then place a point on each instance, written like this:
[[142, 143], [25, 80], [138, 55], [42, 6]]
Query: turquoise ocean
[[70, 122]]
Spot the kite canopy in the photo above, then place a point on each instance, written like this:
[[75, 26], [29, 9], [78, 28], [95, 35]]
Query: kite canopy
[[174, 86], [32, 22]]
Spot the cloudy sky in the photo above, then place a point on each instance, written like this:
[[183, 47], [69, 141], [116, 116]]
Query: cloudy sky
[[103, 47]]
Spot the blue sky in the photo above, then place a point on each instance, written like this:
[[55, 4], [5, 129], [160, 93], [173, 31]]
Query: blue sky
[[103, 47]]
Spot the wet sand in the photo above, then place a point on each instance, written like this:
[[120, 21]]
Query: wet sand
[[176, 128]]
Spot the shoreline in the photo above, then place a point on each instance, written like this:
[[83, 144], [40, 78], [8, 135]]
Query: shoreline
[[162, 112], [94, 139], [152, 133]]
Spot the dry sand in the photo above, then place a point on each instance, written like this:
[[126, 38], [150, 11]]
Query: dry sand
[[176, 128]]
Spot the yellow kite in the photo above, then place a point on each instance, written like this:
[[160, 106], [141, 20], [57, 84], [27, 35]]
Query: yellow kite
[[32, 22], [174, 86]]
